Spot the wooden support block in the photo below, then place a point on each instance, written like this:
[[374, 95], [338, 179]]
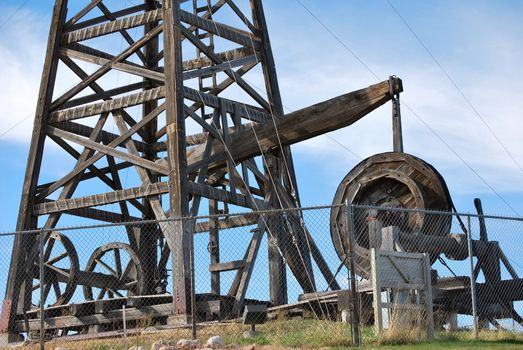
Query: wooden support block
[[227, 266]]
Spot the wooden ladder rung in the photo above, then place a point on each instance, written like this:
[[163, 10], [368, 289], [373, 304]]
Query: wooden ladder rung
[[227, 266]]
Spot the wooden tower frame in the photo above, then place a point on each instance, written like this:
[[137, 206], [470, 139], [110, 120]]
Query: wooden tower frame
[[186, 68]]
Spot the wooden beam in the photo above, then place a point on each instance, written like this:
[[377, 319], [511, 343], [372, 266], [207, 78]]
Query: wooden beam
[[125, 67], [108, 106], [246, 111], [180, 239], [81, 13], [74, 25], [105, 68], [226, 223], [230, 55], [297, 126], [233, 34], [106, 95], [141, 162], [101, 198], [57, 184], [111, 27], [231, 73], [227, 266], [105, 136]]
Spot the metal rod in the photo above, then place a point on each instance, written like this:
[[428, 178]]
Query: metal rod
[[355, 309], [193, 286], [42, 289], [472, 280]]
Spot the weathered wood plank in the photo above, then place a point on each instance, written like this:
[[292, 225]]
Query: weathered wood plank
[[233, 34], [246, 111], [227, 266], [105, 68], [125, 67], [229, 72], [152, 189], [297, 126], [111, 27], [224, 196], [230, 222], [230, 55], [105, 95], [105, 136], [141, 162], [81, 13], [101, 19], [101, 198], [108, 106], [59, 183]]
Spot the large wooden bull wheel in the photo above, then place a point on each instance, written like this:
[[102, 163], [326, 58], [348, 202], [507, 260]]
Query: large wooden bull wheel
[[397, 180], [115, 271], [60, 270]]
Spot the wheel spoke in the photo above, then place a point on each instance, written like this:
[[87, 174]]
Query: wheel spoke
[[48, 248], [57, 258], [118, 293], [118, 262], [128, 269], [128, 285], [59, 270], [57, 290], [47, 289], [101, 294], [107, 267]]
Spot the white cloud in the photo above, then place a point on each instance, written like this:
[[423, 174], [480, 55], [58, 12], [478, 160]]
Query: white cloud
[[490, 76], [22, 49], [484, 61]]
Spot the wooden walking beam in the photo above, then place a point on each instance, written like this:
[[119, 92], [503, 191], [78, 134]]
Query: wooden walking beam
[[297, 126]]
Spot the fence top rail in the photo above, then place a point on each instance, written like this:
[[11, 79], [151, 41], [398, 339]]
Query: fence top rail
[[153, 221], [262, 212], [437, 212]]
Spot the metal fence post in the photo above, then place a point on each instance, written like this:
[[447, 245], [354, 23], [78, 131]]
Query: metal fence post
[[41, 271], [355, 309], [193, 283], [472, 280]]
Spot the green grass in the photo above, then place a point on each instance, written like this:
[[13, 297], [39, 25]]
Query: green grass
[[309, 334]]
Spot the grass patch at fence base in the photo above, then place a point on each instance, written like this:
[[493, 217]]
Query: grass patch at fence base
[[300, 334]]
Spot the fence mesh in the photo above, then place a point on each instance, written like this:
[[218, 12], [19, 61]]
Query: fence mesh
[[286, 267]]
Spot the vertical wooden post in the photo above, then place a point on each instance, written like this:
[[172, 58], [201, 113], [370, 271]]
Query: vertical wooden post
[[277, 272], [180, 239], [276, 227], [149, 234], [397, 132], [17, 292], [376, 291]]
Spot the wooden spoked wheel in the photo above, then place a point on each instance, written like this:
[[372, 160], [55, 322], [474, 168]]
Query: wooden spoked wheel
[[60, 271], [389, 180], [114, 271]]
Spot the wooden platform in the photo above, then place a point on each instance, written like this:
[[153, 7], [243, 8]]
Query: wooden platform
[[108, 314]]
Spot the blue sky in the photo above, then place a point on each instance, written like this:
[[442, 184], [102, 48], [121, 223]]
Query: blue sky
[[476, 42]]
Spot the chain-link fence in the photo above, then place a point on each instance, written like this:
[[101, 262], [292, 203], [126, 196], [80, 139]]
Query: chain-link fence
[[260, 269]]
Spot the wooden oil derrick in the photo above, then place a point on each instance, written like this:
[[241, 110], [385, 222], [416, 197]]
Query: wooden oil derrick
[[149, 81]]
